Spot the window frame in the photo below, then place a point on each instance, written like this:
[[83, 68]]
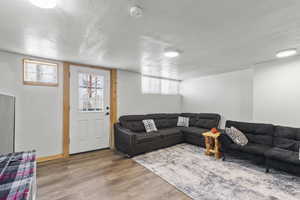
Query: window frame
[[39, 83]]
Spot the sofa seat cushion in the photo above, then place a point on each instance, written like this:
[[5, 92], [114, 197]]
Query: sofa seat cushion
[[147, 137], [170, 132], [193, 131], [283, 155], [252, 148]]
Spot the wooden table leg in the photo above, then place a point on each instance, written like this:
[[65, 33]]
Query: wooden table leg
[[207, 145], [217, 149]]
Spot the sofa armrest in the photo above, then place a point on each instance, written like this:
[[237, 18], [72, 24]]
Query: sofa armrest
[[125, 133], [225, 141], [125, 139]]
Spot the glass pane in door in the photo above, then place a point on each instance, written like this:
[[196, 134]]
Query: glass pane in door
[[91, 92]]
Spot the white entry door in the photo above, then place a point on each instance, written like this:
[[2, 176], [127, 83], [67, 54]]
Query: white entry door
[[89, 109]]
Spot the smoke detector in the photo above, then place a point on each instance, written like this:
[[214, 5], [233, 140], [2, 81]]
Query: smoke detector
[[136, 11]]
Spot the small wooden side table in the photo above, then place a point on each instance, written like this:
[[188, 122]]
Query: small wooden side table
[[212, 144]]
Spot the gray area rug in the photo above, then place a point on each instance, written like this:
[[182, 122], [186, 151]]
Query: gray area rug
[[202, 177]]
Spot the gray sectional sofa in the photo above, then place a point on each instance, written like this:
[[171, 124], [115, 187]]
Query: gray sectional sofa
[[131, 138], [273, 146]]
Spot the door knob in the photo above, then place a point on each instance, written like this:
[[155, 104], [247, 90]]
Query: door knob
[[107, 113]]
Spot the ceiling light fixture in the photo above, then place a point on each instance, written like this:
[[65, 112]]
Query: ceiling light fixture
[[136, 11], [46, 4], [286, 53], [171, 54]]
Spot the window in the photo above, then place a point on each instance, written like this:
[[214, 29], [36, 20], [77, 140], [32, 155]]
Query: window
[[169, 87], [40, 73], [151, 85], [91, 92]]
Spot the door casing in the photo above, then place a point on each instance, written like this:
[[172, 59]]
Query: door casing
[[66, 103], [96, 135]]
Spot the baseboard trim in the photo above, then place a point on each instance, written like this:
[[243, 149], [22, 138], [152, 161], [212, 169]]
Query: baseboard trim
[[48, 158]]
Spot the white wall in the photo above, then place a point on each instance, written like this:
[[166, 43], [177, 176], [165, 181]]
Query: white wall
[[132, 101], [268, 93], [38, 109], [229, 94], [277, 92]]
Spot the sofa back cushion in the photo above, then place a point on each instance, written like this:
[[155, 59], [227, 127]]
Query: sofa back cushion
[[173, 119], [207, 120], [193, 117], [160, 120], [163, 120], [133, 122], [255, 132], [287, 138]]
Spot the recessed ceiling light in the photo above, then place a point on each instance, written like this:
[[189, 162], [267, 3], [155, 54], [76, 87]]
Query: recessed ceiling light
[[44, 3], [136, 11], [171, 54], [286, 53]]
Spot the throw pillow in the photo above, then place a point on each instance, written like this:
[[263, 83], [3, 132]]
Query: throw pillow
[[149, 125], [236, 136], [183, 121]]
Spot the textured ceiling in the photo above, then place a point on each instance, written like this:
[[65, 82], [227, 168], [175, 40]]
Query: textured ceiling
[[214, 35]]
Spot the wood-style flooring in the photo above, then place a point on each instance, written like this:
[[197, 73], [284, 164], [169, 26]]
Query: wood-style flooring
[[101, 175]]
